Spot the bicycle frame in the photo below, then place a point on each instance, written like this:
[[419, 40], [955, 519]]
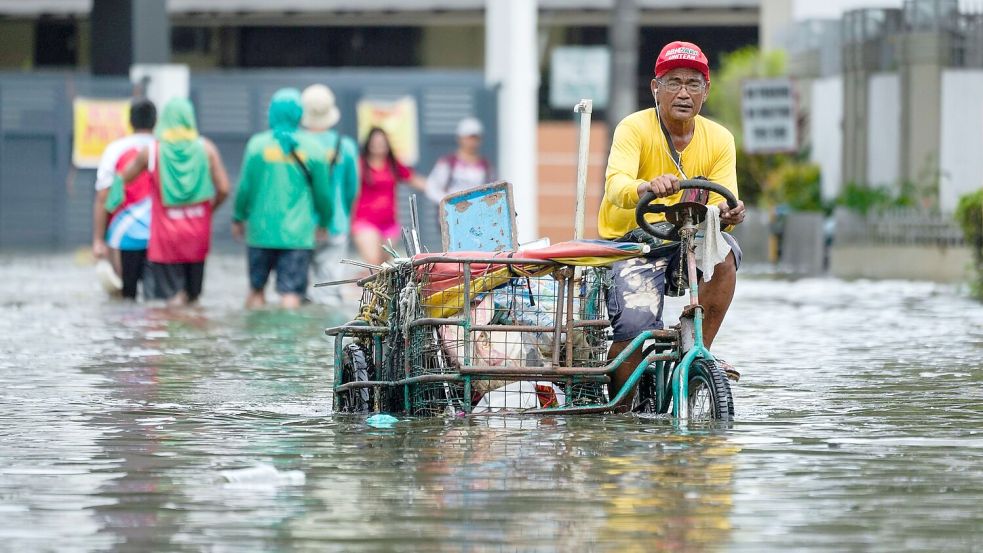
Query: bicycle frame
[[698, 350], [679, 379]]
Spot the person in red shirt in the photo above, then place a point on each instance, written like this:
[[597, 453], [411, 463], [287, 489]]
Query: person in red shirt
[[188, 182], [121, 215], [375, 209]]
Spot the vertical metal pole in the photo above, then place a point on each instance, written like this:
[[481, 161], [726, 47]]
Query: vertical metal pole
[[466, 313], [466, 332], [339, 352], [584, 108], [414, 227], [569, 331], [561, 288], [660, 385], [569, 284]]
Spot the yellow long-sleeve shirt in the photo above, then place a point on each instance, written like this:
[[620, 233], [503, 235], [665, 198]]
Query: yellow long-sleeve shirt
[[639, 153]]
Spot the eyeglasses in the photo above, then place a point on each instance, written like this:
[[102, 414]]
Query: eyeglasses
[[675, 85]]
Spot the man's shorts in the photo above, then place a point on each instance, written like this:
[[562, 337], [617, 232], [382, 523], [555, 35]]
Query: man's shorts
[[639, 285], [167, 279], [291, 268]]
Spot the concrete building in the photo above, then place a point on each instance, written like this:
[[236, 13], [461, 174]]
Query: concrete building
[[891, 97], [236, 34]]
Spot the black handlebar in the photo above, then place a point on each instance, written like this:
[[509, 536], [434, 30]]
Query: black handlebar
[[646, 206]]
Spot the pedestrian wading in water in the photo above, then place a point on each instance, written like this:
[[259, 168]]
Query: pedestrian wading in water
[[188, 182], [284, 194]]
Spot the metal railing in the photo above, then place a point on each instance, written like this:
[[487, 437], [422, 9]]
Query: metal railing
[[898, 227]]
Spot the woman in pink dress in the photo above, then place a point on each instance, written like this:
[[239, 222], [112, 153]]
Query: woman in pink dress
[[375, 209]]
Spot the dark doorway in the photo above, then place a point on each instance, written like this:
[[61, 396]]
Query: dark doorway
[[56, 43], [329, 46]]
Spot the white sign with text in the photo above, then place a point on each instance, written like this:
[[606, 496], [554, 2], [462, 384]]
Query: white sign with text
[[579, 72], [768, 110]]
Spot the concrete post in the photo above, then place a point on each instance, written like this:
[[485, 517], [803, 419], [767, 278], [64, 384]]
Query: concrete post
[[512, 64], [623, 37], [775, 20], [856, 73], [923, 56], [127, 32]]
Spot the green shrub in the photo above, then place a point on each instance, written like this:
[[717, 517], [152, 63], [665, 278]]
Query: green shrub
[[795, 184], [865, 199], [969, 215]]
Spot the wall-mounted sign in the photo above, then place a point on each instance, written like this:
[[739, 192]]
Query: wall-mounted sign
[[768, 109], [97, 122], [398, 119], [578, 72]]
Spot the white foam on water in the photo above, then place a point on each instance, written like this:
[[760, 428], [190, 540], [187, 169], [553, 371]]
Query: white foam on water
[[262, 475], [938, 374], [143, 352]]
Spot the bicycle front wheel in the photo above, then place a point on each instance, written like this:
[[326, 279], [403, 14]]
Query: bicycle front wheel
[[709, 393]]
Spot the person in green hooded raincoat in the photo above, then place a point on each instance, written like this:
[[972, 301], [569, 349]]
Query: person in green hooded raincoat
[[188, 182], [284, 195]]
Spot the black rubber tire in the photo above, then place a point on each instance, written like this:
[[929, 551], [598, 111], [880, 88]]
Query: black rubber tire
[[709, 393], [645, 395], [355, 368]]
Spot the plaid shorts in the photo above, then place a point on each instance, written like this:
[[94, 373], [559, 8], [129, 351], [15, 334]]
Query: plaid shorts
[[640, 284]]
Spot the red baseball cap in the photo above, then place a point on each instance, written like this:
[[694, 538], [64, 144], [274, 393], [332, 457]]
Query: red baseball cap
[[682, 54]]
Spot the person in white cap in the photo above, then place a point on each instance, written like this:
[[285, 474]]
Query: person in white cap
[[463, 169], [321, 114]]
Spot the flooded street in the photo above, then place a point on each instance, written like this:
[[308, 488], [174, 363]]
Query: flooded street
[[131, 427]]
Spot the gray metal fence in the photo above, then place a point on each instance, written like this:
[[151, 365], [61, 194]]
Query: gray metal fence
[[897, 227], [45, 203]]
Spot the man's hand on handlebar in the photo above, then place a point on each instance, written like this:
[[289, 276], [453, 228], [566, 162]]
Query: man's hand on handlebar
[[662, 186], [731, 216]]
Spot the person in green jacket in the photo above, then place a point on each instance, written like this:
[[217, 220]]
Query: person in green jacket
[[321, 114], [284, 195]]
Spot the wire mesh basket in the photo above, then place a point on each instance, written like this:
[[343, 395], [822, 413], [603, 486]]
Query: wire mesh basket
[[502, 329], [445, 335]]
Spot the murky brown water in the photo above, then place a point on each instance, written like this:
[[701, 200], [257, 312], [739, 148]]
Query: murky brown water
[[127, 427]]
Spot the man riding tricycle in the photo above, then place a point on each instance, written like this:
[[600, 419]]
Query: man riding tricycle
[[575, 327]]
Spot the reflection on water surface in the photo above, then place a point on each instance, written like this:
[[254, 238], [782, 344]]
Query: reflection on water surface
[[860, 428]]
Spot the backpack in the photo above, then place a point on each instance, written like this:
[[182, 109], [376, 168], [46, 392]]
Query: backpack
[[452, 161]]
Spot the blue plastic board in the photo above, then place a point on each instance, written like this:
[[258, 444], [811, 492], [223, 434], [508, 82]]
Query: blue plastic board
[[479, 219]]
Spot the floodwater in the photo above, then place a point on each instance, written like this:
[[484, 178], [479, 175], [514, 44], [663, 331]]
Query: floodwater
[[134, 428]]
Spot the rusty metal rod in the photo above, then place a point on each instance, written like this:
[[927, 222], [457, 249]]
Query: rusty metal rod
[[570, 322], [355, 329], [411, 380], [430, 259], [512, 328], [561, 289], [477, 370]]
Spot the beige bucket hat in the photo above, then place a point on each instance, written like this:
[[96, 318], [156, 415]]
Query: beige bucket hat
[[320, 110]]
